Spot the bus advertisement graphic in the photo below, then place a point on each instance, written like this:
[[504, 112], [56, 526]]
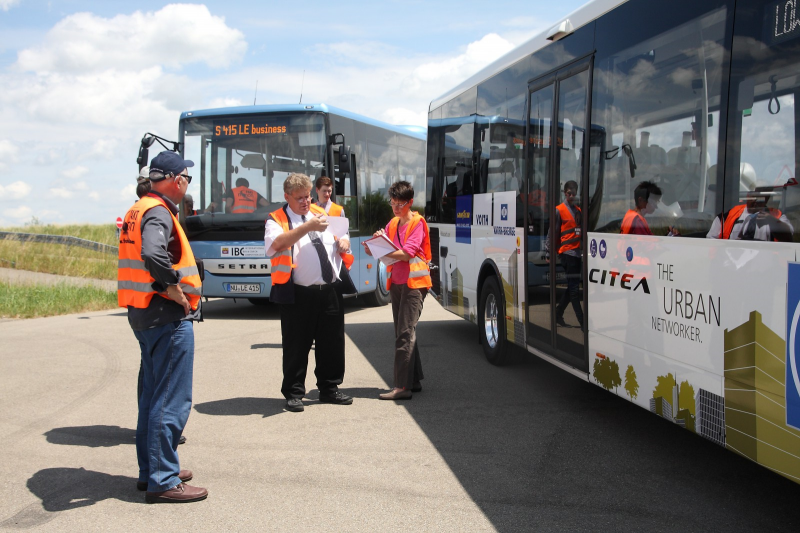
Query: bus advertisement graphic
[[793, 347], [464, 219]]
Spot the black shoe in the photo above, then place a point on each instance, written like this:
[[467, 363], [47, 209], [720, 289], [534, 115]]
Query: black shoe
[[294, 405], [560, 322], [182, 440], [416, 387], [337, 397]]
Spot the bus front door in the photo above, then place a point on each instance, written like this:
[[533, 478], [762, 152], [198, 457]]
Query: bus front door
[[557, 141]]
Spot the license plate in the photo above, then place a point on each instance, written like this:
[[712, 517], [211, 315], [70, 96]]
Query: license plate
[[249, 288]]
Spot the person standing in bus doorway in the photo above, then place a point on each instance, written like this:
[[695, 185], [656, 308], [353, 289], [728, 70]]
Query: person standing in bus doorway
[[408, 282], [304, 260], [160, 286], [243, 199], [568, 219], [753, 221], [645, 197], [324, 186]]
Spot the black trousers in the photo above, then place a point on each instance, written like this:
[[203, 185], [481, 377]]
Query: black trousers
[[572, 268], [317, 316]]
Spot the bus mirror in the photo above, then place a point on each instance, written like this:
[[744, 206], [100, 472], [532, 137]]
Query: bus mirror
[[337, 138], [344, 159], [143, 157], [253, 161]]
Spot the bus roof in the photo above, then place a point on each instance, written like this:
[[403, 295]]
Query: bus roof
[[578, 18], [418, 132]]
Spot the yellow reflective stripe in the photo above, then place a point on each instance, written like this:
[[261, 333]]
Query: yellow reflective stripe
[[243, 208], [188, 271], [137, 264], [281, 268], [188, 289], [419, 273], [134, 286]]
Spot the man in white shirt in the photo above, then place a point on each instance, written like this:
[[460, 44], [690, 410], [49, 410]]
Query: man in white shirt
[[753, 220], [305, 262]]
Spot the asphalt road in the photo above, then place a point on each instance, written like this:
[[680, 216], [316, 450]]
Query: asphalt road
[[525, 447]]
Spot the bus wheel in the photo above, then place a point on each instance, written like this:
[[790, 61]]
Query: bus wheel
[[492, 323], [380, 296]]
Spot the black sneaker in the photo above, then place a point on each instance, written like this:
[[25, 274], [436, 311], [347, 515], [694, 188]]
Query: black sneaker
[[294, 405], [560, 322], [337, 397]]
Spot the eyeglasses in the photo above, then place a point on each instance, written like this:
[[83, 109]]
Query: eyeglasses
[[397, 206], [302, 199], [187, 176]]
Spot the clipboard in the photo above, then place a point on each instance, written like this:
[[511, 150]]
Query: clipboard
[[380, 246]]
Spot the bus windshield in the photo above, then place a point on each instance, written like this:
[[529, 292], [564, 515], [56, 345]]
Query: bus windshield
[[241, 163]]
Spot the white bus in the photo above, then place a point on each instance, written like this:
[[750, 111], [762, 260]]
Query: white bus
[[692, 313]]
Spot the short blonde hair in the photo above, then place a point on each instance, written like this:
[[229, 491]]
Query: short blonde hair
[[295, 181]]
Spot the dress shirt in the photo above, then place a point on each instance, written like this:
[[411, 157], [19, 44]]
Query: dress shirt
[[307, 270]]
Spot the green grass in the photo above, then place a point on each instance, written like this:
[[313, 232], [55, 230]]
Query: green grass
[[60, 259], [31, 301]]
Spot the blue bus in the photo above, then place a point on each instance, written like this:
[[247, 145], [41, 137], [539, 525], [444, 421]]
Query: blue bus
[[258, 147]]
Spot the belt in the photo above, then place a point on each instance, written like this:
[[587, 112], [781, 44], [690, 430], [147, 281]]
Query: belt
[[316, 288]]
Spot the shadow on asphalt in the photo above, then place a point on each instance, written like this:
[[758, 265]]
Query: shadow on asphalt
[[242, 407], [537, 448], [91, 436], [241, 309], [63, 489]]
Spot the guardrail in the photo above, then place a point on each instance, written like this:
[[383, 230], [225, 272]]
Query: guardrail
[[59, 239]]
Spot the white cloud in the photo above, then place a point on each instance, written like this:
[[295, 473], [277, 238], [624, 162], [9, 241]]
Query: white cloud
[[21, 213], [94, 195], [8, 154], [61, 192], [74, 173], [405, 117], [84, 43], [128, 193], [224, 102], [5, 5], [15, 191]]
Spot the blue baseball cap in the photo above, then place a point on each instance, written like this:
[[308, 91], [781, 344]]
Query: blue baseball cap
[[167, 163]]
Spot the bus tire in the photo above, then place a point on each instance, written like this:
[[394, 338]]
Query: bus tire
[[380, 296], [492, 323]]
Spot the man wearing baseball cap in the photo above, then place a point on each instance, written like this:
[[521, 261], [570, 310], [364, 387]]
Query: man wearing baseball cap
[[159, 283]]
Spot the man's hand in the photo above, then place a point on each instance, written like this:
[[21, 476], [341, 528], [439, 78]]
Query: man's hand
[[317, 223], [175, 294], [343, 245]]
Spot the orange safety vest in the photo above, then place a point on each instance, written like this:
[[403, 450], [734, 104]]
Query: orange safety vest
[[733, 215], [627, 222], [570, 238], [281, 263], [135, 284], [419, 275], [335, 210], [245, 200]]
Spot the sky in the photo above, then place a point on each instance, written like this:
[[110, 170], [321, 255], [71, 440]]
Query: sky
[[82, 81]]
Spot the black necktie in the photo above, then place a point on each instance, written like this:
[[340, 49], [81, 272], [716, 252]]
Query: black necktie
[[749, 232], [324, 262]]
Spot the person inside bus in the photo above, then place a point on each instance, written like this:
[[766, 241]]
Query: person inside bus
[[408, 283], [753, 221], [188, 206], [324, 186], [568, 219], [243, 199], [646, 196]]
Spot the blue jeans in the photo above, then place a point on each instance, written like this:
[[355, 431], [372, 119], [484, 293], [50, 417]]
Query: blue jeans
[[167, 363]]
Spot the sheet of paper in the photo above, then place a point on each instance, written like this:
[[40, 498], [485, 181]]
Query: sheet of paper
[[380, 246], [338, 226]]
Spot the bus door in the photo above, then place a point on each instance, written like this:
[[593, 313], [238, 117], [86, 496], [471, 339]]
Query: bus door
[[555, 161]]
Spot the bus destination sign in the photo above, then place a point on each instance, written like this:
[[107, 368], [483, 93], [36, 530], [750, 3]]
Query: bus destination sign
[[781, 22], [247, 127]]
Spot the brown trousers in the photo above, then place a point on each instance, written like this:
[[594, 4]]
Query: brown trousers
[[406, 310]]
